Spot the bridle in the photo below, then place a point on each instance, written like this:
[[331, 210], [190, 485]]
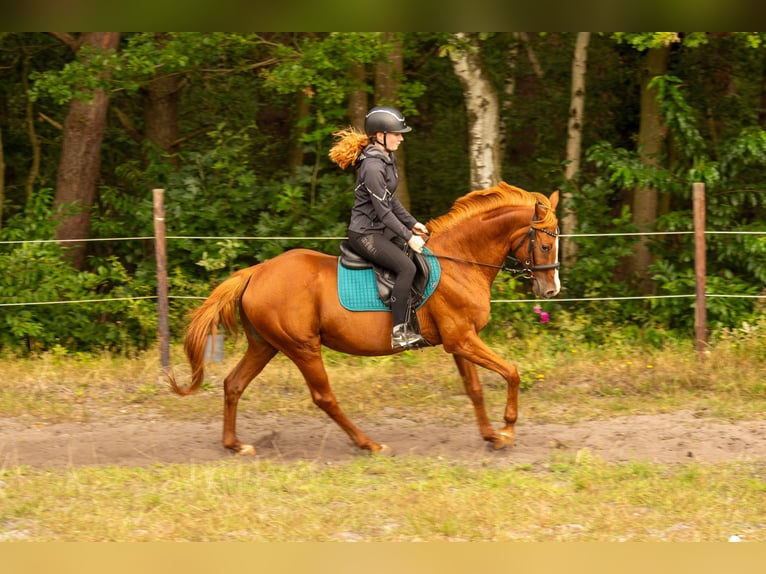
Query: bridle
[[512, 262], [529, 262]]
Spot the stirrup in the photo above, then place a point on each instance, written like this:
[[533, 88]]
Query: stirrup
[[401, 337]]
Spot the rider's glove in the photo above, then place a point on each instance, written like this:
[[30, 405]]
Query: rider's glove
[[416, 243]]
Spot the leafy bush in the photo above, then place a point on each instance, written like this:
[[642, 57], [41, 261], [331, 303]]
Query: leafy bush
[[38, 272], [736, 264]]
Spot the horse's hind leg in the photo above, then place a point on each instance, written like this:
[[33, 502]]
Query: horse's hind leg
[[256, 357], [313, 371]]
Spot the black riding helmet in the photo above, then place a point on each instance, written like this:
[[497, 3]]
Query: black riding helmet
[[385, 119]]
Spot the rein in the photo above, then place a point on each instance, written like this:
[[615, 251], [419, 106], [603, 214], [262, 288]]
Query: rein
[[528, 265], [481, 264]]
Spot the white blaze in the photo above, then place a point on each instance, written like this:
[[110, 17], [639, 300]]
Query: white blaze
[[556, 276]]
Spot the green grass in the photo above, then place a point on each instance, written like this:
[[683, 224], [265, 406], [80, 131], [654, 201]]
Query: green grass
[[571, 497], [559, 383], [577, 498]]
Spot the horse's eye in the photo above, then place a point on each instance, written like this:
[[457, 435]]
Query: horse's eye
[[546, 248]]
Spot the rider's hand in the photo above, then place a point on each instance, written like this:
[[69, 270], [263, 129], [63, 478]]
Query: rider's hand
[[420, 229], [416, 243]]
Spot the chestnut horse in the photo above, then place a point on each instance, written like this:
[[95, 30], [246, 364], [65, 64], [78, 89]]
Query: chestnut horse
[[290, 304]]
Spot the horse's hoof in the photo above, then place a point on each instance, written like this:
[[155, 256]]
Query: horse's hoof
[[246, 450], [383, 450], [496, 445], [501, 440]]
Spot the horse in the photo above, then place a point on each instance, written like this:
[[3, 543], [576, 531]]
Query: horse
[[290, 304]]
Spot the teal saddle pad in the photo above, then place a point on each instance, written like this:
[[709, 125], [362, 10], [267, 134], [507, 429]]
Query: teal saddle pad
[[357, 290]]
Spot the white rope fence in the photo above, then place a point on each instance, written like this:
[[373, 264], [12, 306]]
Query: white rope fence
[[339, 238]]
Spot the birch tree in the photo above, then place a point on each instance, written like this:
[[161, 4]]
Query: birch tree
[[574, 137], [509, 93], [482, 109]]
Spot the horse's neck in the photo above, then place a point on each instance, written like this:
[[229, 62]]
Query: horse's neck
[[485, 238]]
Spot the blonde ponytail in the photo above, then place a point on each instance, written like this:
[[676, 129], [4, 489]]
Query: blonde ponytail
[[349, 143]]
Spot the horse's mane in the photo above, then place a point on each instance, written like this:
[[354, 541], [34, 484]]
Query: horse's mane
[[482, 201]]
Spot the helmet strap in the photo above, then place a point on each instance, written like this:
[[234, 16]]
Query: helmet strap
[[385, 142]]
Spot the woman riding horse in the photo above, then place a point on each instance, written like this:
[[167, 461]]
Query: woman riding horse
[[290, 304], [378, 218]]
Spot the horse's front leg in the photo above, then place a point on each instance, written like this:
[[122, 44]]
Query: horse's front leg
[[467, 356], [475, 392]]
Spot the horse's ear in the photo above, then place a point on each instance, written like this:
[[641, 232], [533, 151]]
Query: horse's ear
[[554, 199]]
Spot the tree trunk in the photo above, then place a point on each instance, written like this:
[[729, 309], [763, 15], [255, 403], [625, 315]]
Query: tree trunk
[[295, 156], [387, 73], [762, 112], [357, 99], [574, 139], [34, 141], [509, 92], [531, 54], [161, 120], [481, 104], [651, 137], [81, 156], [2, 177], [387, 80]]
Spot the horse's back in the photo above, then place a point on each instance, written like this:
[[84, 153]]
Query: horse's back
[[297, 264], [294, 280], [292, 301]]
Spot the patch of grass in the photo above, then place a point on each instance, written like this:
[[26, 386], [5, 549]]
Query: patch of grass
[[573, 498], [559, 382], [572, 382]]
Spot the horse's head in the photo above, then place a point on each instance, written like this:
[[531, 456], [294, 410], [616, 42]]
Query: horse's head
[[539, 250], [482, 225]]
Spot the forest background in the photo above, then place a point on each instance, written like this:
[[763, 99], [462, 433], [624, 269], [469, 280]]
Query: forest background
[[236, 128]]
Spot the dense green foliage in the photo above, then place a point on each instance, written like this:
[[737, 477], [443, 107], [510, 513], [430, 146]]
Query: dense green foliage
[[233, 174]]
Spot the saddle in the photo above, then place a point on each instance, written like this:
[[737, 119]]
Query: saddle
[[384, 278]]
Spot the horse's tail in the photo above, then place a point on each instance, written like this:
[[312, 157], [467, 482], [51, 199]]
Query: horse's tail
[[220, 308]]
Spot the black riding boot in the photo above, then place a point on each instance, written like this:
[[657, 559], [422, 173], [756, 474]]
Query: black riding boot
[[402, 337]]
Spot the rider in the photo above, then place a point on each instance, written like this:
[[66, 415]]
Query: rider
[[378, 218]]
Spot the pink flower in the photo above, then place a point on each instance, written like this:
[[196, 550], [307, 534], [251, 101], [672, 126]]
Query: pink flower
[[544, 317]]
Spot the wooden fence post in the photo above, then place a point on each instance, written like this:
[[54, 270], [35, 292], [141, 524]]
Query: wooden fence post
[[700, 270], [162, 278]]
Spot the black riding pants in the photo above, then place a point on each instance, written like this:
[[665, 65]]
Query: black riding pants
[[381, 250]]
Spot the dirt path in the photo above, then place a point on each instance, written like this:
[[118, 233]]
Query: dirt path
[[135, 441]]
